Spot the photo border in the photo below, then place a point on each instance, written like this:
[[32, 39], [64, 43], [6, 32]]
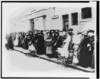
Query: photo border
[[97, 25]]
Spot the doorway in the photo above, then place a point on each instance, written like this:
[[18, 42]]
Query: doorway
[[32, 24], [65, 22]]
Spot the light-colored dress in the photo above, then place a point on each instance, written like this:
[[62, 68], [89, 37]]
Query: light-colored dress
[[31, 48], [64, 51], [76, 40], [16, 41]]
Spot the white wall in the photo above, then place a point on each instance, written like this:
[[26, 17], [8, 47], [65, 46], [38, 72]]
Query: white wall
[[57, 23], [54, 24], [49, 24], [38, 23], [69, 10], [23, 26]]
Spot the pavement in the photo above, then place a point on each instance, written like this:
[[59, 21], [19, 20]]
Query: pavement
[[20, 63], [54, 60]]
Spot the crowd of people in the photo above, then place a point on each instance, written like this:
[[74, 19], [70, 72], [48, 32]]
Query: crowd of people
[[73, 48]]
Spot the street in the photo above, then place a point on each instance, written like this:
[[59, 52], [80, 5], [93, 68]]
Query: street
[[17, 62]]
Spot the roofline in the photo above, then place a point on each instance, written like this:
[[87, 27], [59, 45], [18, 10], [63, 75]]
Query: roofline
[[37, 11]]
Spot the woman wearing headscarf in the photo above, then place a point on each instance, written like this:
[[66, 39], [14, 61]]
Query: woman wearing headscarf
[[26, 42], [59, 41], [16, 40], [10, 44], [40, 44], [6, 41], [76, 43], [48, 44], [19, 40], [64, 51], [55, 44], [86, 51]]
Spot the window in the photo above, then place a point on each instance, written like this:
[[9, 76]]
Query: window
[[74, 18], [86, 13]]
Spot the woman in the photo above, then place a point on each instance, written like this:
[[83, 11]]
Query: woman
[[26, 42], [48, 45], [19, 40], [10, 44], [64, 51], [76, 42], [40, 44], [86, 51], [6, 41], [59, 41], [83, 58], [16, 40], [32, 46]]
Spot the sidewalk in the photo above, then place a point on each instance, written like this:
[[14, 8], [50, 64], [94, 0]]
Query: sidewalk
[[54, 60]]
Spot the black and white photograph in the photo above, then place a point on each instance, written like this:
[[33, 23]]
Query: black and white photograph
[[49, 39]]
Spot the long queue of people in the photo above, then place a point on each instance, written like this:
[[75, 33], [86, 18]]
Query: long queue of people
[[72, 48]]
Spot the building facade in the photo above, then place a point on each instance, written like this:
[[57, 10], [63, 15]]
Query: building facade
[[59, 18]]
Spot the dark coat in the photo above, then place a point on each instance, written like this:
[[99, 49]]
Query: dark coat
[[19, 41], [59, 42], [39, 44], [85, 59], [26, 43], [10, 44]]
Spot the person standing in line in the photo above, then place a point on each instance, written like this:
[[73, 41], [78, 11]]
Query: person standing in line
[[76, 42], [10, 44], [26, 42], [16, 40], [86, 51], [64, 50]]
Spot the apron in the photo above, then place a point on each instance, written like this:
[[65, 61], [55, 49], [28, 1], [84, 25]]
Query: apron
[[31, 48], [48, 47], [64, 51], [16, 42], [49, 50]]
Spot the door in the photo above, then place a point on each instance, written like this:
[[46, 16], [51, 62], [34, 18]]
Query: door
[[65, 22], [32, 24]]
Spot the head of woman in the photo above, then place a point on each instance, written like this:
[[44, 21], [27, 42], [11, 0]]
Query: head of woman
[[56, 34], [90, 33]]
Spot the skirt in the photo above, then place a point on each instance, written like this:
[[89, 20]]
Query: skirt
[[31, 48], [16, 42], [49, 50]]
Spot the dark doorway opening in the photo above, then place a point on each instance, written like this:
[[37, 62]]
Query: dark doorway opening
[[74, 18], [32, 24], [65, 22]]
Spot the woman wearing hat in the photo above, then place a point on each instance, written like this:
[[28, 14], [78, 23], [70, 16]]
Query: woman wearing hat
[[26, 41]]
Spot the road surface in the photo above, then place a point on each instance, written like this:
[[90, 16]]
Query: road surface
[[15, 63]]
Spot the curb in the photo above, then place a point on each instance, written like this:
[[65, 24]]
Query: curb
[[55, 60]]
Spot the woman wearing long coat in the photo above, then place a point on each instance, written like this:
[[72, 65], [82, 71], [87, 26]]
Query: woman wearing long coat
[[86, 53], [10, 44], [40, 44], [19, 40], [64, 51], [26, 42]]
